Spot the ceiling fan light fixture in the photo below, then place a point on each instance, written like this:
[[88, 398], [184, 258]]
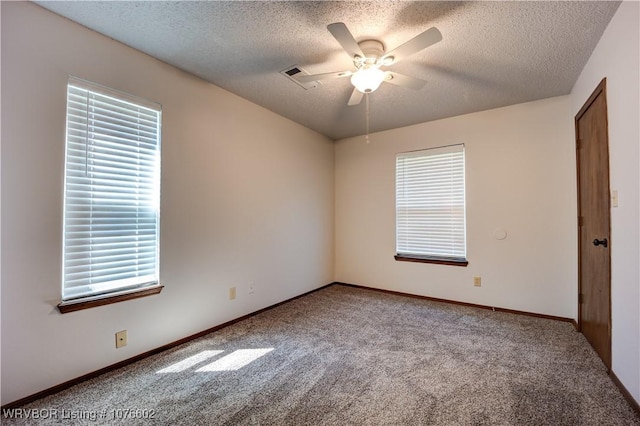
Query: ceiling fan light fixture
[[369, 56], [368, 79]]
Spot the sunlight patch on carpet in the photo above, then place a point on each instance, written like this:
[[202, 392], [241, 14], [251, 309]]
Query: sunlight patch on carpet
[[235, 360], [189, 362]]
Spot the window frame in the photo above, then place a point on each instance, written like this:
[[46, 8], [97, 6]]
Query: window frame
[[406, 256], [103, 293]]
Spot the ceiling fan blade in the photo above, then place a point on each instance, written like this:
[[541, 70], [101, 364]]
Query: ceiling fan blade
[[323, 76], [405, 81], [356, 97], [346, 40], [416, 44]]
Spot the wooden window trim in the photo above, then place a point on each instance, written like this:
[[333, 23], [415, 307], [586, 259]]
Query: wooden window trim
[[95, 301], [425, 259]]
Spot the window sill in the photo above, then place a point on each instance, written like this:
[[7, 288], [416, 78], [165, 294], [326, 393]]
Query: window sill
[[424, 259], [107, 299]]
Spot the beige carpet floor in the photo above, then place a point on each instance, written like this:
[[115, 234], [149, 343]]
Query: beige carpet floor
[[349, 356]]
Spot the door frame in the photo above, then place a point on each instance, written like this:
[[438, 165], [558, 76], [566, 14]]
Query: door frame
[[601, 89]]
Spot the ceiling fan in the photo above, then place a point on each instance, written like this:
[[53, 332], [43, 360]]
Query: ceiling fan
[[369, 57]]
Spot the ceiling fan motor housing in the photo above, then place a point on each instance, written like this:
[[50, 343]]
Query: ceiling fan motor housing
[[373, 51]]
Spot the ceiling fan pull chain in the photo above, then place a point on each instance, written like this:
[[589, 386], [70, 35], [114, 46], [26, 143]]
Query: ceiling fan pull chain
[[366, 97]]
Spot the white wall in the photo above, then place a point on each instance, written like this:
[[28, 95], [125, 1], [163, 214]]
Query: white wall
[[520, 176], [246, 195], [616, 57]]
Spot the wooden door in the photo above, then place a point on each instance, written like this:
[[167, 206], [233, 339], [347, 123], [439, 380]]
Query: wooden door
[[594, 240]]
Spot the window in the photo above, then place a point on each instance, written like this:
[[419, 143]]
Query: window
[[430, 212], [112, 195]]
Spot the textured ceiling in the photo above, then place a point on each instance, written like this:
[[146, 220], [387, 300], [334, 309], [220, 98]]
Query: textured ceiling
[[492, 54]]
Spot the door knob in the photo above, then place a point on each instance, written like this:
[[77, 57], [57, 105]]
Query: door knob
[[602, 242]]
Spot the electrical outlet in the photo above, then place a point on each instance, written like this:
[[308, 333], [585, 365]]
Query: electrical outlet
[[121, 339], [251, 287], [477, 281], [232, 293]]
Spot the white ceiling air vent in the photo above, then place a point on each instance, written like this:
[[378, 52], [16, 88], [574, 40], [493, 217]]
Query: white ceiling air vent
[[293, 72]]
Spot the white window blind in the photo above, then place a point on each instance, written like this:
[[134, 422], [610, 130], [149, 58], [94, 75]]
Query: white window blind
[[430, 204], [112, 192]]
